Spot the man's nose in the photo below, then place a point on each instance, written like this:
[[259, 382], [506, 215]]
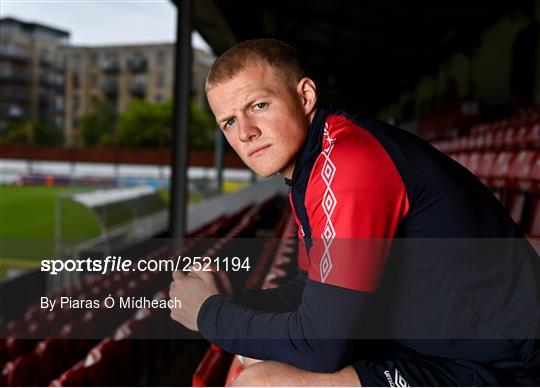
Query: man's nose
[[248, 131]]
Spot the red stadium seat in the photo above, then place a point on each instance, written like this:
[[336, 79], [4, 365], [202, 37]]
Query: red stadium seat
[[73, 377], [481, 139], [463, 158], [532, 139], [51, 359], [534, 230], [212, 370], [237, 366], [519, 184], [463, 143], [534, 222], [474, 162], [23, 371], [3, 352], [485, 166], [509, 138], [97, 369], [521, 136], [18, 346], [534, 175], [489, 139], [499, 173], [499, 139]]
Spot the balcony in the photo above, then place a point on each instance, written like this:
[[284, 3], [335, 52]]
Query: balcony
[[137, 64], [58, 67], [110, 88], [12, 75], [10, 94], [110, 65], [58, 87], [11, 51], [137, 88], [45, 60]]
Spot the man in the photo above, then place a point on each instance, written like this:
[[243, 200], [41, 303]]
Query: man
[[392, 289]]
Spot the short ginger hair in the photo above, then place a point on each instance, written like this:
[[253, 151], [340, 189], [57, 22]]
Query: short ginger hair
[[278, 55]]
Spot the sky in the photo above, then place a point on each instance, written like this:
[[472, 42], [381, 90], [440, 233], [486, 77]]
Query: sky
[[103, 22]]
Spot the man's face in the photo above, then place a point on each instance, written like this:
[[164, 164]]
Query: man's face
[[263, 120]]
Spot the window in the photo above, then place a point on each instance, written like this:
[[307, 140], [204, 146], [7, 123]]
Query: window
[[94, 80], [160, 80], [139, 79], [160, 58], [75, 102], [75, 80], [76, 61]]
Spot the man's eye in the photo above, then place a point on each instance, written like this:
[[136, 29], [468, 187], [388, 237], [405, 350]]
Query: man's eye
[[261, 105], [228, 123]]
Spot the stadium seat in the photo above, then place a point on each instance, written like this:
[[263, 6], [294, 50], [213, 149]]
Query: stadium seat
[[17, 346], [23, 371], [534, 230], [73, 377], [499, 139], [474, 162], [498, 176], [3, 352], [463, 143], [519, 183], [50, 359], [509, 138], [463, 158], [212, 370], [485, 165], [237, 366], [534, 221], [489, 139], [481, 139], [520, 138]]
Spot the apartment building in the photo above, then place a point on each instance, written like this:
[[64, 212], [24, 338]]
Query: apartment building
[[44, 78], [31, 73], [120, 74]]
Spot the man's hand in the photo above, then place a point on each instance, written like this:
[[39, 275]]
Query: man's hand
[[192, 289]]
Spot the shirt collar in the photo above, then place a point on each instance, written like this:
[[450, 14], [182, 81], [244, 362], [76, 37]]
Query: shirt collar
[[310, 149]]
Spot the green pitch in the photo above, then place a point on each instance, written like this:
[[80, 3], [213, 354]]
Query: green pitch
[[27, 221]]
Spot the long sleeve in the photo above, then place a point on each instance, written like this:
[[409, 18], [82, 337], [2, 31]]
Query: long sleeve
[[286, 297], [317, 337]]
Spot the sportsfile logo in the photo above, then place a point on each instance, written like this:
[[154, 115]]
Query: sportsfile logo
[[398, 380]]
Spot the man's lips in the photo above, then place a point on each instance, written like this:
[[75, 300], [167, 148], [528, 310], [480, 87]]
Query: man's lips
[[257, 151]]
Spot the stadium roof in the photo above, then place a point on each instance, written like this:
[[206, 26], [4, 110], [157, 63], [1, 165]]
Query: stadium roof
[[362, 54]]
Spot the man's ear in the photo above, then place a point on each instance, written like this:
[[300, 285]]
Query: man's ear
[[307, 91]]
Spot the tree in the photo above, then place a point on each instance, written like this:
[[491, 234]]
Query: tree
[[46, 134], [97, 124], [17, 133], [201, 130], [147, 124], [28, 132]]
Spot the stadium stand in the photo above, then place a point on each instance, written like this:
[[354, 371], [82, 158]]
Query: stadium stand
[[505, 155], [75, 357], [218, 368]]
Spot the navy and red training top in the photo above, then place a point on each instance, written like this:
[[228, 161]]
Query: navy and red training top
[[398, 242]]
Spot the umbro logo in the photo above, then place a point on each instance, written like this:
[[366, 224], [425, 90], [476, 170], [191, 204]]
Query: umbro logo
[[397, 381]]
